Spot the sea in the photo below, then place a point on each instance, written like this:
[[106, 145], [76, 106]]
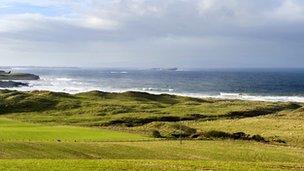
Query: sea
[[245, 84]]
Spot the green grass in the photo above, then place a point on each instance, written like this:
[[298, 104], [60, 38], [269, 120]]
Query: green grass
[[151, 155], [239, 151], [19, 131], [44, 130], [142, 165], [100, 108]]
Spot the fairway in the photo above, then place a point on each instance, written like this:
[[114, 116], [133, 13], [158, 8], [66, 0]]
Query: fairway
[[19, 131], [167, 150], [140, 165], [160, 155]]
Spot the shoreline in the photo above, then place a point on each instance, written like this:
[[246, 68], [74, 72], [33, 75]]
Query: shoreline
[[221, 96]]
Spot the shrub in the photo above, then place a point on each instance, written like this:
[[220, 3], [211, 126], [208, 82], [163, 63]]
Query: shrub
[[156, 134], [225, 135], [216, 134], [258, 138], [181, 131], [240, 135]]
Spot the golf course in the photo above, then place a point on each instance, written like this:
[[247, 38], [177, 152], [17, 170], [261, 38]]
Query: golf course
[[43, 130]]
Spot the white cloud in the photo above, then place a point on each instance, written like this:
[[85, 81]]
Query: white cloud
[[95, 23], [289, 10]]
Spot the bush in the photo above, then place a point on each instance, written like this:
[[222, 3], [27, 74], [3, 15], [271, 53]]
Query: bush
[[240, 135], [156, 134], [258, 138], [181, 131], [216, 134], [225, 135]]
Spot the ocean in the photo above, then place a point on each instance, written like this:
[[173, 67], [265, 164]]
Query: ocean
[[246, 84]]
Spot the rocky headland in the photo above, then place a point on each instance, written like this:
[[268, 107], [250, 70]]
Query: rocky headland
[[8, 79]]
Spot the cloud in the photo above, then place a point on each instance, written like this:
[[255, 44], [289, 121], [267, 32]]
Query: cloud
[[133, 19], [289, 10], [188, 30]]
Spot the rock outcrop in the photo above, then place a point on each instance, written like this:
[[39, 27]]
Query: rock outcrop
[[10, 84], [6, 79]]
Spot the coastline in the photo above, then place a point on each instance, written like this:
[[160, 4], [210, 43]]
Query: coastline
[[285, 86], [221, 96]]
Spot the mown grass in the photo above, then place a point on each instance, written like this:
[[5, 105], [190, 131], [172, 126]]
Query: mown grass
[[139, 165], [190, 155], [19, 131], [240, 151]]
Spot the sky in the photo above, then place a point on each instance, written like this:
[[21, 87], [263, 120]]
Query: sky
[[152, 33]]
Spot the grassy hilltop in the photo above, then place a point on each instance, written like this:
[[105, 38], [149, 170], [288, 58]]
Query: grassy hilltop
[[44, 130]]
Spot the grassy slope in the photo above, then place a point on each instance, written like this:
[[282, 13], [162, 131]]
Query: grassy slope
[[141, 113], [18, 131]]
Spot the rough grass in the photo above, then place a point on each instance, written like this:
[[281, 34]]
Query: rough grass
[[287, 129], [128, 109]]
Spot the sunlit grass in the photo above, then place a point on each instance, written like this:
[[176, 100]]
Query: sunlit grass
[[19, 131]]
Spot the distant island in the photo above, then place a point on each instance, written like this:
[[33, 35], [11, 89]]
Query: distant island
[[6, 78], [165, 69]]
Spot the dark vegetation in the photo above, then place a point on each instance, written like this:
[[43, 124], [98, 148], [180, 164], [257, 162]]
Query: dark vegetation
[[235, 136], [262, 111], [133, 121], [171, 130], [175, 131]]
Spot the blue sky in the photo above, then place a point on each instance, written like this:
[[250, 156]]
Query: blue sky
[[152, 33]]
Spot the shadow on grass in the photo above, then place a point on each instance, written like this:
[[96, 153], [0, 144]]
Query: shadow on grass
[[132, 121]]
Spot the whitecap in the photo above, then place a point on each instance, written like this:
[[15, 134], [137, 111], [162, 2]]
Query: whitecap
[[64, 79]]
